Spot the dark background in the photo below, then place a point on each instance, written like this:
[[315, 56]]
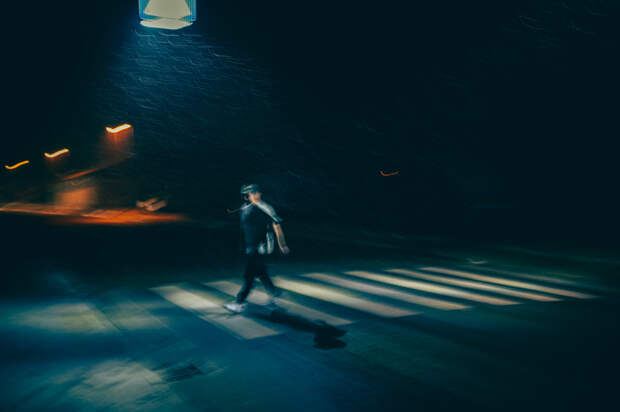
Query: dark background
[[499, 116]]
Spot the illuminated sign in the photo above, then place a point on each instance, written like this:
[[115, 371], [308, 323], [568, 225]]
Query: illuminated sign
[[56, 154], [16, 165], [167, 14], [118, 128]]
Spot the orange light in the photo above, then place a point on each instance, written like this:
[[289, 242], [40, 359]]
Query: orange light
[[67, 214], [83, 173], [16, 165], [118, 128], [124, 217], [56, 154], [388, 174]]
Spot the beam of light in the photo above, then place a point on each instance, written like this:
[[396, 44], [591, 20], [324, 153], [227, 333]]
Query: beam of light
[[389, 174], [170, 9], [16, 165], [387, 292], [79, 317], [261, 298], [333, 296], [509, 282], [169, 24], [475, 285], [547, 279], [428, 287], [210, 309], [130, 315], [118, 128], [56, 154]]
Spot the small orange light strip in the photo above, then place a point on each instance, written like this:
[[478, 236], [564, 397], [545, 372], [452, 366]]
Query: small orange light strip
[[56, 154], [388, 174], [118, 128], [16, 165], [82, 173]]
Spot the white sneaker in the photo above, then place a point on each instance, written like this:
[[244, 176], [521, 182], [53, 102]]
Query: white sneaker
[[235, 307], [273, 302]]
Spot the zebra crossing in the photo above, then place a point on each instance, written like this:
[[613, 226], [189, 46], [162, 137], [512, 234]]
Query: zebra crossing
[[339, 299]]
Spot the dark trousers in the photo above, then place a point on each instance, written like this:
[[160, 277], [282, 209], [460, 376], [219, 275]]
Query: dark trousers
[[256, 268]]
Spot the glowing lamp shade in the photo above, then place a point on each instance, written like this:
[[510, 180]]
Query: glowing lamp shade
[[167, 14]]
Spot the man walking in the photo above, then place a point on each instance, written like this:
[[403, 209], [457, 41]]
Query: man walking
[[258, 224]]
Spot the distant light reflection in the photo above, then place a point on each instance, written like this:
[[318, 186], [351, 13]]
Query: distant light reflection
[[388, 174]]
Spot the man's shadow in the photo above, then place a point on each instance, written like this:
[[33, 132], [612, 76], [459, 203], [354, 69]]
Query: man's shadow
[[325, 336]]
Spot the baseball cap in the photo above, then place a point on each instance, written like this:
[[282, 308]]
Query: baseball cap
[[250, 188]]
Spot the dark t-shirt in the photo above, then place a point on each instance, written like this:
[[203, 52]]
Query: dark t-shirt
[[256, 222]]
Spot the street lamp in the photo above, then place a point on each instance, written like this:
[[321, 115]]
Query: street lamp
[[167, 14]]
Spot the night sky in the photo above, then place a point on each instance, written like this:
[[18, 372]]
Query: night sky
[[498, 115]]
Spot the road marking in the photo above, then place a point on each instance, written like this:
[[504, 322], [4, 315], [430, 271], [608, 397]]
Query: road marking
[[428, 287], [205, 306], [387, 292], [332, 295], [548, 279], [509, 282], [475, 285], [261, 298]]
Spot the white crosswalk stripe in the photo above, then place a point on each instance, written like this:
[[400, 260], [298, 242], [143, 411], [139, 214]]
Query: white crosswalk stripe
[[332, 295], [548, 279], [357, 294], [431, 288], [261, 298], [212, 311], [509, 282], [474, 285], [387, 292]]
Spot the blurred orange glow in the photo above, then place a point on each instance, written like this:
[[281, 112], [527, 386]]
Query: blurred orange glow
[[388, 174], [82, 173], [114, 217], [118, 128], [34, 209], [16, 165], [122, 217], [76, 199], [56, 154]]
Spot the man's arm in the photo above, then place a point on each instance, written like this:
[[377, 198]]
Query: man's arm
[[265, 207], [281, 240]]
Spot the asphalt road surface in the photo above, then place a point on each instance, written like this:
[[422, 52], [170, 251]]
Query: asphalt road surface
[[368, 334]]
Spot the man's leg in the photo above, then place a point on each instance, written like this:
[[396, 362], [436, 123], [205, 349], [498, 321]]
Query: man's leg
[[251, 270], [264, 277]]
